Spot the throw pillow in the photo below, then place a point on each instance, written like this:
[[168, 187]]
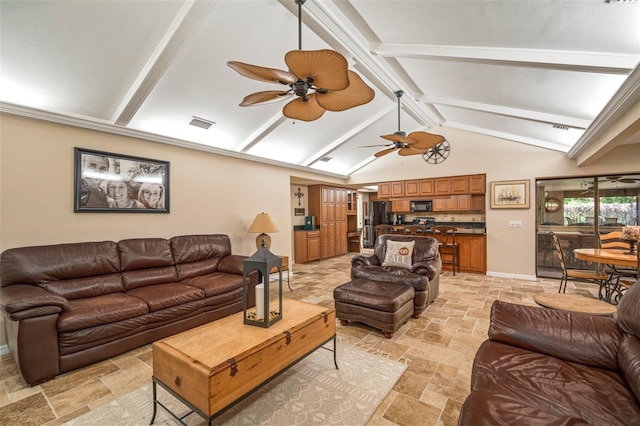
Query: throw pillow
[[399, 253]]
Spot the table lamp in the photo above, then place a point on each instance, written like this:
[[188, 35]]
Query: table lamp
[[631, 234], [261, 225]]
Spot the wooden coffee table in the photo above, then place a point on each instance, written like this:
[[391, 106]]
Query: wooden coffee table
[[211, 367], [575, 303]]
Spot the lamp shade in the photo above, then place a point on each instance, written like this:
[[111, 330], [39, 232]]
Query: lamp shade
[[261, 225]]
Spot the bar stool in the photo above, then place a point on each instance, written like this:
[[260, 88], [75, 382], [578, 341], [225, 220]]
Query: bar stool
[[448, 246]]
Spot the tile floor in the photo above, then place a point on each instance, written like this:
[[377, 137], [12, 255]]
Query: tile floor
[[438, 348]]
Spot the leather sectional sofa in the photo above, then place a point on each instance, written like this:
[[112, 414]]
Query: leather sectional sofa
[[70, 305], [549, 367], [423, 275]]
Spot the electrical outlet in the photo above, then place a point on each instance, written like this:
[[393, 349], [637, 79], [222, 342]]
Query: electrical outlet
[[515, 224]]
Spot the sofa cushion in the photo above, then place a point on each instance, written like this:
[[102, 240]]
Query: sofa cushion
[[216, 283], [488, 409], [94, 311], [391, 274], [629, 310], [72, 271], [162, 296], [146, 261], [197, 255], [399, 254], [629, 361], [596, 395]]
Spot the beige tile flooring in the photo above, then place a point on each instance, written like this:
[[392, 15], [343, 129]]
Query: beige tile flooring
[[438, 348]]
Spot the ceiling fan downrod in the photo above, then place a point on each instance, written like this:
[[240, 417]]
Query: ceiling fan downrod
[[300, 3], [399, 94]]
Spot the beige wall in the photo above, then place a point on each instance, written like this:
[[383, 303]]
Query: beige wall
[[510, 251]]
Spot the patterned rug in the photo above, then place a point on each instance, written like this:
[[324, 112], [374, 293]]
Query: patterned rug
[[312, 392]]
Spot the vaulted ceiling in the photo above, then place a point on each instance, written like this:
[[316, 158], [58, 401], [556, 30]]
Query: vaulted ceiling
[[545, 73]]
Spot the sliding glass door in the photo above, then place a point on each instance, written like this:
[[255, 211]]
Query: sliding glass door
[[578, 210]]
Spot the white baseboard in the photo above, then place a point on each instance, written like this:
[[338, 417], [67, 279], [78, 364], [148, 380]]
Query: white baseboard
[[4, 349], [512, 276]]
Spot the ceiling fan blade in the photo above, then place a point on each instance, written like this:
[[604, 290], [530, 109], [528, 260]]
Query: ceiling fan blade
[[384, 152], [424, 140], [411, 151], [269, 96], [270, 75], [397, 138], [298, 109], [358, 93], [327, 68]]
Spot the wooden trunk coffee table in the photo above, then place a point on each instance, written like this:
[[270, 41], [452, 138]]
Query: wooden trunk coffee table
[[575, 303], [211, 367]]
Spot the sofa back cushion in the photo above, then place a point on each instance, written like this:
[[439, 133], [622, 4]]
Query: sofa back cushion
[[146, 261], [72, 271], [199, 254], [629, 362], [425, 248]]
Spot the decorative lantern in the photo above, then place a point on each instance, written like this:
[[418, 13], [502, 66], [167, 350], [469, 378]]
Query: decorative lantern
[[264, 315]]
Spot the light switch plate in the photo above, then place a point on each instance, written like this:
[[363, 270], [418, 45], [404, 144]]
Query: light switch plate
[[515, 224]]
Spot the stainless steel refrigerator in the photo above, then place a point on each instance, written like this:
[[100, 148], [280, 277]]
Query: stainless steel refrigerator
[[377, 216]]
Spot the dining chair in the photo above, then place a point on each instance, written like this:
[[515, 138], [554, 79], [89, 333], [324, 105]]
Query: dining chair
[[599, 278], [448, 246], [613, 241]]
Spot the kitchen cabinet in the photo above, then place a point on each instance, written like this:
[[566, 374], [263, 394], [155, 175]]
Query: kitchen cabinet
[[473, 253], [427, 187], [329, 205], [459, 184], [442, 186], [445, 204], [352, 202], [412, 188], [306, 246], [401, 206], [384, 190], [397, 189], [463, 202], [477, 184]]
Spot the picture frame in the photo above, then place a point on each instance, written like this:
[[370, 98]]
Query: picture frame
[[298, 211], [105, 182], [510, 194]]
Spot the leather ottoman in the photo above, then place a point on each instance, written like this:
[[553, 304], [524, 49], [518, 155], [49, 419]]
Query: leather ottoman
[[382, 305]]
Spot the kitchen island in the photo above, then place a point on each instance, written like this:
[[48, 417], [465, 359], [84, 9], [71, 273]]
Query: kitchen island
[[471, 237]]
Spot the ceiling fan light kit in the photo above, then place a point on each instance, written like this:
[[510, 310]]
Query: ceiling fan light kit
[[320, 80]]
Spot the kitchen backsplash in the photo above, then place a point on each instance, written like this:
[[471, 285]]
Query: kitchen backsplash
[[449, 217]]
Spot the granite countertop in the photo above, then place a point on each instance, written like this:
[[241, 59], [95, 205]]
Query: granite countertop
[[463, 227]]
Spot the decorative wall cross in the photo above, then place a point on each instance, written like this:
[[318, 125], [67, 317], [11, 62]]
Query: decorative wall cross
[[299, 194]]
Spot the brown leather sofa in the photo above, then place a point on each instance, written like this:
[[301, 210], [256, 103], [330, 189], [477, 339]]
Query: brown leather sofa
[[549, 367], [423, 276], [70, 305]]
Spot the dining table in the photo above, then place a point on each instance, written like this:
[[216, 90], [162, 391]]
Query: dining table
[[612, 290]]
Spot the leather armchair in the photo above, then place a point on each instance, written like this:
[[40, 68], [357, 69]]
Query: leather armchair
[[423, 275]]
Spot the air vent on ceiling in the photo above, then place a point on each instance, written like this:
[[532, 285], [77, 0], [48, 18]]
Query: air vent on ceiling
[[560, 127], [325, 159], [201, 122]]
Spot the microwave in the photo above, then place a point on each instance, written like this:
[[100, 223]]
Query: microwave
[[421, 206]]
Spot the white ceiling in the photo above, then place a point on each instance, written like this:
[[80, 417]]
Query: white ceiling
[[511, 69]]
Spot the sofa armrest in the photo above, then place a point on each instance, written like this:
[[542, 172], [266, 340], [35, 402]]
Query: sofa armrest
[[22, 301], [365, 260], [232, 264], [581, 338], [430, 268]]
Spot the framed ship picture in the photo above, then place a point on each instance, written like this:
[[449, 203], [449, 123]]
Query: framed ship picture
[[510, 194]]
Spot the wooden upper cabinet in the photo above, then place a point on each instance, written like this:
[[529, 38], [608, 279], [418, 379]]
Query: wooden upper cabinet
[[397, 189], [477, 184], [384, 190], [401, 206], [460, 185], [426, 187], [411, 188], [443, 186]]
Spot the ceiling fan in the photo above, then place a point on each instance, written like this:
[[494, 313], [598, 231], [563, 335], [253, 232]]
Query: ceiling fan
[[320, 79], [414, 144]]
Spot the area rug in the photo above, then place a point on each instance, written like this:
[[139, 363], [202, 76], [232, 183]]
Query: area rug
[[312, 392]]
